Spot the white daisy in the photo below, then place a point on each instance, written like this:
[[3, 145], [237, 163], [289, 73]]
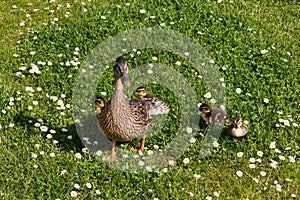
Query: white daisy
[[142, 11], [216, 194], [197, 176], [149, 169], [76, 186], [73, 194], [260, 153], [215, 144], [88, 185], [171, 162], [141, 163], [48, 136], [99, 153], [252, 166], [97, 192], [192, 140], [150, 152], [207, 95], [238, 90], [189, 130], [272, 145], [186, 161], [239, 173], [273, 164], [33, 155], [266, 100], [44, 128], [240, 154], [178, 63], [78, 156], [263, 173], [264, 51]]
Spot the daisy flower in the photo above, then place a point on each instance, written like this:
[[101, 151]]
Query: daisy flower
[[273, 145], [238, 90], [240, 154], [88, 185], [78, 156], [239, 173], [186, 161], [73, 194]]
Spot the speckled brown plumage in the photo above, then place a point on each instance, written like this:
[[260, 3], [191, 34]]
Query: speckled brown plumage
[[122, 122], [155, 105], [119, 119]]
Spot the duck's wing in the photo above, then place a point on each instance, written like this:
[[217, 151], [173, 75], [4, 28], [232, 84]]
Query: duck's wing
[[140, 109], [156, 106]]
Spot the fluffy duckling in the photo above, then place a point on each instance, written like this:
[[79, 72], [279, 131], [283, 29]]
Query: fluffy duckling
[[142, 93], [215, 116], [100, 103], [238, 129], [155, 105]]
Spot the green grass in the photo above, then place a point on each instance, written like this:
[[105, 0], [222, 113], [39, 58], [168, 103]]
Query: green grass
[[235, 33]]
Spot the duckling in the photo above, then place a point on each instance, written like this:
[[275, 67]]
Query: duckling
[[215, 116], [100, 103], [156, 106], [238, 129], [142, 93]]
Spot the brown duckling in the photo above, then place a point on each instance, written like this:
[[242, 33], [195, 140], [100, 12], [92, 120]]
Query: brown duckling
[[100, 103], [238, 129], [215, 116]]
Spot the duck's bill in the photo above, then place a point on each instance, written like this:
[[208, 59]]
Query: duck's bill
[[125, 80]]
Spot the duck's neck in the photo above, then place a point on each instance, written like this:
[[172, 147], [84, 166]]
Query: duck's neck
[[119, 86], [119, 90]]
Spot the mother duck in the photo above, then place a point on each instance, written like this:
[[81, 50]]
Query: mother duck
[[121, 120]]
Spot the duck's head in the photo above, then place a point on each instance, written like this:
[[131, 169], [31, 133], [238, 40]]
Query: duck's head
[[100, 103], [205, 108], [121, 70], [237, 122], [141, 91]]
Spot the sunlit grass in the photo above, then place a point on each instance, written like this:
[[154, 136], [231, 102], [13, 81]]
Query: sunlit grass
[[256, 49]]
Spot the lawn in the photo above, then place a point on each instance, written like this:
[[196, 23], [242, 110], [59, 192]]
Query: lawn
[[252, 48]]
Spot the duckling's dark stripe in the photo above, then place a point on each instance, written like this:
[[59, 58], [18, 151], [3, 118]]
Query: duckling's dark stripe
[[141, 88]]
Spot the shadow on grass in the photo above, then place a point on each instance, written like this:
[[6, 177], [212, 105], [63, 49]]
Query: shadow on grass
[[67, 137]]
